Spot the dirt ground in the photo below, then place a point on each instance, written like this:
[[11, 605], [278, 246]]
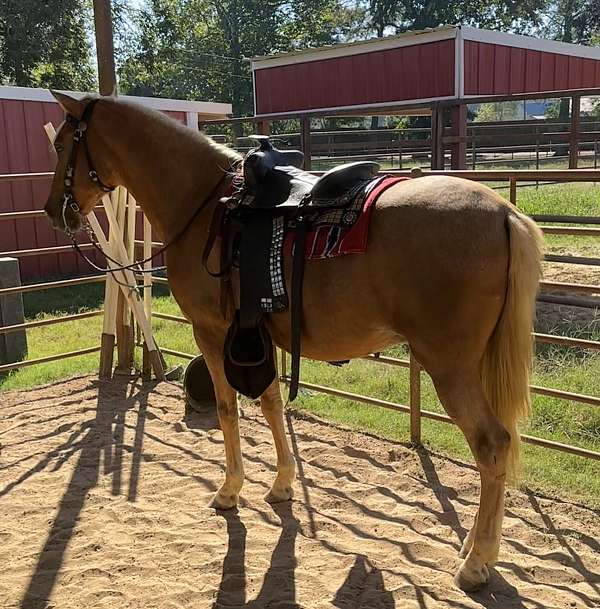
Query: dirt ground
[[103, 494]]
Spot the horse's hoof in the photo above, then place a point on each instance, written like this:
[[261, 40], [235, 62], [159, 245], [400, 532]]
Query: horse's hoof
[[277, 494], [224, 501], [471, 578]]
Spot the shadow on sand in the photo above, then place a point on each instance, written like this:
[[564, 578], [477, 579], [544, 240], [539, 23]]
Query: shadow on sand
[[98, 445]]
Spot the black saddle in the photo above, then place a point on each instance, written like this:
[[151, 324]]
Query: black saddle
[[275, 178], [277, 194]]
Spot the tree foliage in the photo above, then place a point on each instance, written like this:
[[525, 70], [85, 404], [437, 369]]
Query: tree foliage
[[396, 16], [45, 43], [199, 48]]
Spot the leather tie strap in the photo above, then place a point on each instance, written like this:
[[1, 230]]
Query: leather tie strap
[[296, 304]]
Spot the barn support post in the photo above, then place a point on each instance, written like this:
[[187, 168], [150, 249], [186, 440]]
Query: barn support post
[[574, 135], [415, 400], [107, 81], [437, 133], [305, 140], [458, 129], [104, 46]]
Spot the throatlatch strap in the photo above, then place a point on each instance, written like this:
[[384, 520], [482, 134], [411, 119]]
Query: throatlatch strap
[[296, 305]]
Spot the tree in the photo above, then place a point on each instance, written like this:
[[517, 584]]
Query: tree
[[44, 43], [198, 48], [576, 21], [499, 111], [395, 16]]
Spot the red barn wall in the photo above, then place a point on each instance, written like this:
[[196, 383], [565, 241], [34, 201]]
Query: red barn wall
[[415, 72], [24, 148], [495, 69]]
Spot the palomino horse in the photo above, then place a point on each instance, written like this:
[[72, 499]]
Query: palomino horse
[[451, 268]]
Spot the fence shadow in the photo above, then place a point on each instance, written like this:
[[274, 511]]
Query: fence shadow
[[112, 404]]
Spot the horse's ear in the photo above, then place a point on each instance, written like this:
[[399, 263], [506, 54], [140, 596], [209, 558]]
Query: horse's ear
[[69, 104]]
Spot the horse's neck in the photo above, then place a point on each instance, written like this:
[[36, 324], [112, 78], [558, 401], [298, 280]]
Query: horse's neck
[[168, 170]]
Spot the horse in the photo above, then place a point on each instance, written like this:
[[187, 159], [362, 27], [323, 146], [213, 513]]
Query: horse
[[451, 268]]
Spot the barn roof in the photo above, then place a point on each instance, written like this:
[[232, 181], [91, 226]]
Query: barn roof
[[202, 108], [419, 68]]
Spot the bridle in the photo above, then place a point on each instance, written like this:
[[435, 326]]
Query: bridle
[[79, 139], [80, 125]]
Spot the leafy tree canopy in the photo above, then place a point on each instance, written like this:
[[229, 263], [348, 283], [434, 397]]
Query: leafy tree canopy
[[45, 43]]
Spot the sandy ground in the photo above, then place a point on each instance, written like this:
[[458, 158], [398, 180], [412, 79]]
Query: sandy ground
[[103, 494]]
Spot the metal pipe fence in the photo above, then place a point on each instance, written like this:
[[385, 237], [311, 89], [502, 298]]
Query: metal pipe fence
[[414, 407]]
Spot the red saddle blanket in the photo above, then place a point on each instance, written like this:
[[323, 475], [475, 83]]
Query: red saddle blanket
[[332, 240]]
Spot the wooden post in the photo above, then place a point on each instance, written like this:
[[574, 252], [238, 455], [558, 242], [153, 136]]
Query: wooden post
[[127, 277], [125, 335], [574, 136], [104, 46], [147, 291], [305, 139], [437, 134], [513, 190], [415, 400], [13, 346], [263, 127], [458, 150]]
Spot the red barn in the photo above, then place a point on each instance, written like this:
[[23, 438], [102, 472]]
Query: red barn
[[24, 148], [436, 69]]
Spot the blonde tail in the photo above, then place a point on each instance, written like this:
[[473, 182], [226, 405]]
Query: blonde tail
[[507, 361]]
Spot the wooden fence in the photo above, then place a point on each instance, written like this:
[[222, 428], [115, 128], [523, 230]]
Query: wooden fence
[[552, 292], [507, 143]]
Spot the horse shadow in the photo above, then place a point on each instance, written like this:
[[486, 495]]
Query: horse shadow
[[364, 582]]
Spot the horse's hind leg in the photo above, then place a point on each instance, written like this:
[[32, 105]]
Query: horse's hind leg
[[272, 408], [463, 398]]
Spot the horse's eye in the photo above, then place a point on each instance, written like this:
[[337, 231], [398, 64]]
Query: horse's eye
[[59, 148]]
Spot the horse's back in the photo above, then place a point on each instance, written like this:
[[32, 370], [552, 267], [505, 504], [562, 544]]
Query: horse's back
[[437, 254]]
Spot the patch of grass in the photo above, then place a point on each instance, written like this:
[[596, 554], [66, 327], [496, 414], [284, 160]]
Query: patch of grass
[[74, 335], [547, 470]]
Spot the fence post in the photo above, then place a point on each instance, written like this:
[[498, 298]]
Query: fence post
[[415, 400], [146, 364], [513, 190], [305, 139], [13, 346], [574, 135]]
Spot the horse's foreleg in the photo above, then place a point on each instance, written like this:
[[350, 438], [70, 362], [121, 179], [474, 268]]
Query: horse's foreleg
[[463, 398], [227, 410], [272, 409]]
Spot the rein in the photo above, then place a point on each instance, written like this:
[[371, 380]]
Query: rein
[[69, 201]]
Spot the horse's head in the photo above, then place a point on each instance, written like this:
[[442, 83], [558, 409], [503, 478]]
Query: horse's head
[[76, 187]]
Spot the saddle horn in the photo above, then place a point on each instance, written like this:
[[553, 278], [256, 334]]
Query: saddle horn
[[265, 156]]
